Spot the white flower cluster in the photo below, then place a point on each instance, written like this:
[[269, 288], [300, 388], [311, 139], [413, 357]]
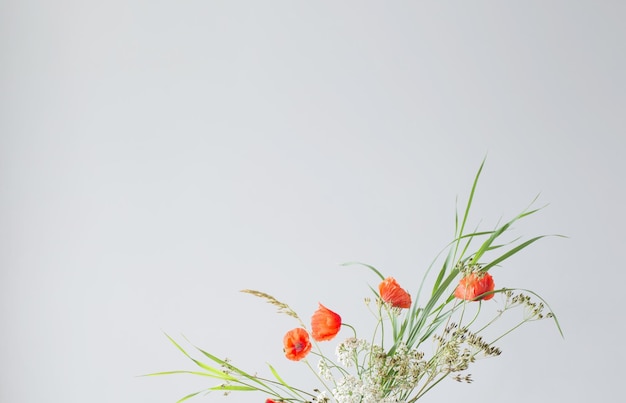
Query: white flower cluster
[[406, 365], [348, 350], [324, 370], [353, 390], [380, 377]]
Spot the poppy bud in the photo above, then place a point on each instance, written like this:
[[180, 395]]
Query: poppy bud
[[473, 285], [391, 292], [325, 324]]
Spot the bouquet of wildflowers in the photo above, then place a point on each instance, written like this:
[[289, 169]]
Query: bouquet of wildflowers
[[445, 319]]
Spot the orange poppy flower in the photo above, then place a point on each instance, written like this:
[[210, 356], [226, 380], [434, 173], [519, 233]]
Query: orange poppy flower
[[391, 292], [473, 285], [297, 344], [325, 324]]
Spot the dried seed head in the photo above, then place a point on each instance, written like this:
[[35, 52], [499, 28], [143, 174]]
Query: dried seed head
[[282, 307]]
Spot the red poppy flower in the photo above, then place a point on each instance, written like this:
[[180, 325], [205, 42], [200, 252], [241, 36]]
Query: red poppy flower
[[473, 285], [391, 292], [325, 324], [297, 344], [270, 401]]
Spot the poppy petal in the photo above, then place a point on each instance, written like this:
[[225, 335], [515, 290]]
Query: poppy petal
[[473, 285], [325, 324], [296, 344], [391, 292]]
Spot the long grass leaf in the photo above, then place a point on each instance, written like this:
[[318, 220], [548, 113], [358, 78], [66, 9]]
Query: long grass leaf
[[191, 395], [182, 372], [234, 388], [202, 365], [511, 252], [372, 268]]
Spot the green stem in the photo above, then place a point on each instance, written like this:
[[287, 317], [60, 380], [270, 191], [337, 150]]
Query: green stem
[[316, 375], [509, 331], [351, 327], [423, 392]]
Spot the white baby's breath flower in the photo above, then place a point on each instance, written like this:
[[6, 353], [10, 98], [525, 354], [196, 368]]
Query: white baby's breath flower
[[324, 370], [322, 398], [349, 390], [348, 350]]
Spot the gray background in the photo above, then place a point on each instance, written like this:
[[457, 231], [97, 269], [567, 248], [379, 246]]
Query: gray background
[[158, 156]]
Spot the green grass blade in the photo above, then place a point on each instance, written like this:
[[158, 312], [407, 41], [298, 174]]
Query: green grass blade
[[181, 372], [487, 244], [511, 252], [471, 198], [191, 395], [234, 388], [372, 268], [278, 378], [231, 367], [282, 382], [218, 373]]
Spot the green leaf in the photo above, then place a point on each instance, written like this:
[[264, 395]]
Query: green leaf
[[372, 268], [216, 372], [231, 367], [234, 388], [511, 252], [471, 197], [282, 382], [487, 244], [180, 372], [191, 395]]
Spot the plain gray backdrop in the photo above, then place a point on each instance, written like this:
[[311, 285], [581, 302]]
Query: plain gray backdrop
[[156, 157]]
